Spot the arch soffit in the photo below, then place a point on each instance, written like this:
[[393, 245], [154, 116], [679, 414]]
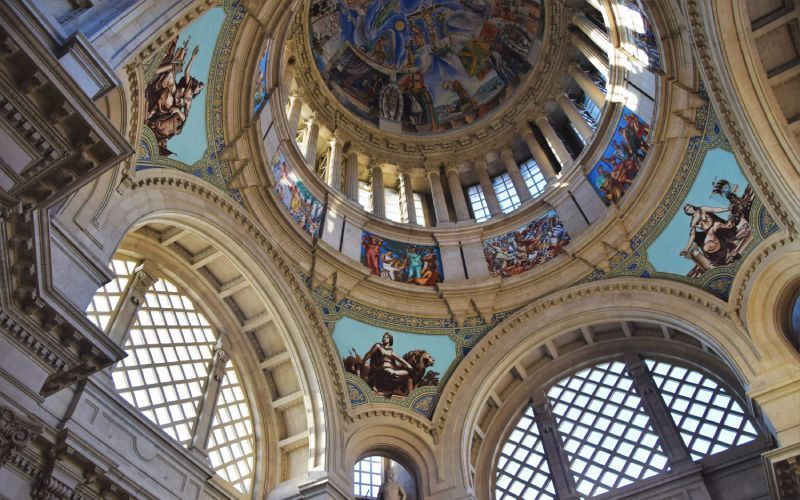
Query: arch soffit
[[682, 307], [191, 204]]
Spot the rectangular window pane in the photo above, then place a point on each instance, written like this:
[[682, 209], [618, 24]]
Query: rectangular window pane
[[365, 196], [506, 194], [478, 202], [391, 199]]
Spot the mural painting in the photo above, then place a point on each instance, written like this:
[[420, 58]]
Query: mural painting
[[304, 208], [260, 94], [713, 226], [527, 247], [392, 364], [644, 36], [424, 65], [174, 95], [401, 262], [615, 172], [707, 223]]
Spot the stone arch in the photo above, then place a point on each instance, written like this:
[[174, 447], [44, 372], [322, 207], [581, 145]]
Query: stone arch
[[499, 356], [188, 203]]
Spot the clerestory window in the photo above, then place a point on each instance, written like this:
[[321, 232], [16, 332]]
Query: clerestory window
[[170, 350]]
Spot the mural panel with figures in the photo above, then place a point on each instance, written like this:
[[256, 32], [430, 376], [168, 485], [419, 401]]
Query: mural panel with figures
[[304, 208], [401, 262], [527, 247], [615, 172], [260, 94], [393, 364], [643, 33], [713, 226], [424, 65]]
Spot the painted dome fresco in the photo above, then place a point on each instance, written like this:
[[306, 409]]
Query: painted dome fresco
[[424, 66]]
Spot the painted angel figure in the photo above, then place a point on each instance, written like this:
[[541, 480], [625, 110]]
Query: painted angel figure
[[169, 99]]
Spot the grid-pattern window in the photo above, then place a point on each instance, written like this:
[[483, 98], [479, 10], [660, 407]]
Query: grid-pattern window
[[106, 299], [368, 477], [708, 418], [607, 435], [418, 210], [533, 177], [391, 203], [169, 349], [479, 207], [522, 470], [590, 109], [506, 194], [365, 196], [231, 440]]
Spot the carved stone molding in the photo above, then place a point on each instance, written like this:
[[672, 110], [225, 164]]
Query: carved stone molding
[[16, 433]]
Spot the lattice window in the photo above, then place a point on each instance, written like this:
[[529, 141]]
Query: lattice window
[[365, 196], [391, 203], [607, 435], [368, 477], [708, 418], [522, 470], [418, 210], [106, 299], [478, 202], [589, 110], [506, 194], [533, 177], [231, 440], [169, 349]]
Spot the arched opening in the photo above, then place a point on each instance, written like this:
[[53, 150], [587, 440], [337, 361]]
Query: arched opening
[[381, 476]]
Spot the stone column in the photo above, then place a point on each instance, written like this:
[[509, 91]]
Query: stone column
[[597, 57], [437, 194], [575, 117], [589, 88], [407, 194], [482, 169], [593, 32], [378, 202], [132, 299], [310, 141], [663, 425], [539, 155], [351, 175], [205, 411], [457, 193], [334, 177], [553, 140], [295, 107], [563, 482], [516, 177]]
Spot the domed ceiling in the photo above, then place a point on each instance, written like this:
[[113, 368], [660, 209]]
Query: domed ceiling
[[424, 66]]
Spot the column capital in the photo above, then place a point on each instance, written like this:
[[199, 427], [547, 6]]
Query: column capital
[[506, 154], [433, 169], [452, 167], [541, 118]]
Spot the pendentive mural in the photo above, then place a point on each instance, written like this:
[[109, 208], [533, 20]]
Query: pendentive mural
[[707, 223], [614, 173], [534, 243], [424, 65], [400, 261], [184, 83], [303, 207]]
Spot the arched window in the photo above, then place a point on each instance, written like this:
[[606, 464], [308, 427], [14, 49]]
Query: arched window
[[604, 427], [377, 476], [171, 349]]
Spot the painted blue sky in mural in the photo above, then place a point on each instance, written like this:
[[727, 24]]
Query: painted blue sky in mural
[[191, 144], [665, 251], [351, 334]]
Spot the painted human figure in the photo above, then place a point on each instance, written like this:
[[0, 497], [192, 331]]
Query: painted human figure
[[386, 368], [372, 251], [706, 221], [169, 99], [391, 489], [414, 264], [389, 269]]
